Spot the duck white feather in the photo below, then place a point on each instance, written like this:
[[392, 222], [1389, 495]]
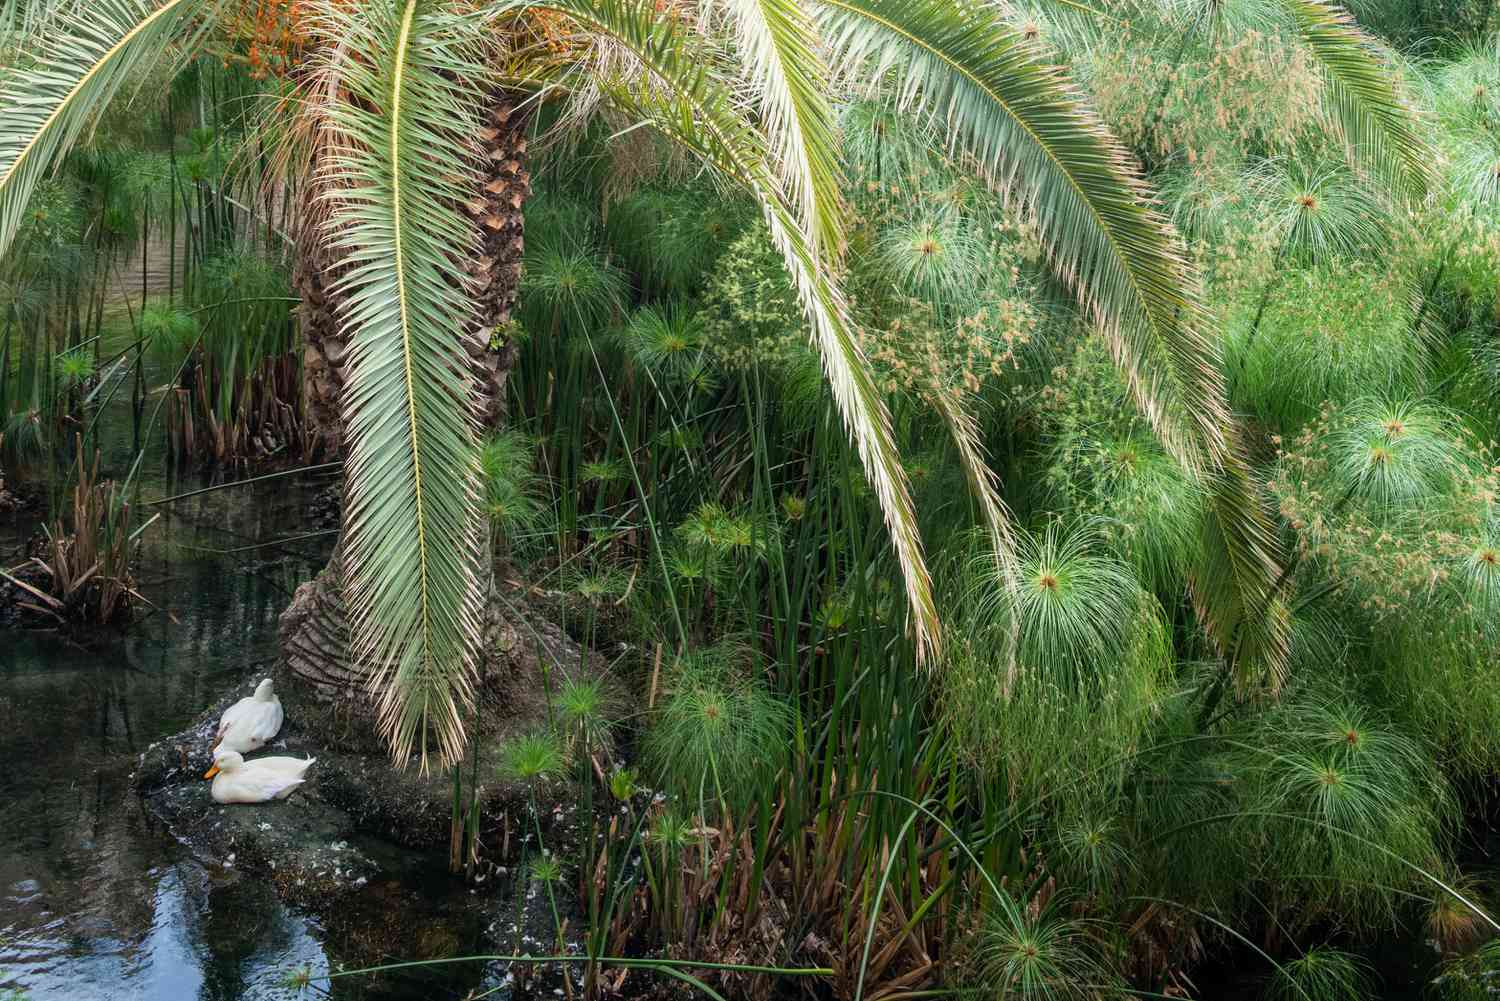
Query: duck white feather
[[260, 781], [251, 723]]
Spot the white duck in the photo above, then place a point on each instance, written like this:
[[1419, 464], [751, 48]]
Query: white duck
[[250, 723], [260, 781]]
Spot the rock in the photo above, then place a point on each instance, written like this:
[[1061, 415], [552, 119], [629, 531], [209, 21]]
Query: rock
[[364, 845], [354, 792]]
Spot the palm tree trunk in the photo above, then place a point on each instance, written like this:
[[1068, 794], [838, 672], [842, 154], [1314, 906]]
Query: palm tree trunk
[[504, 185], [313, 629], [314, 635], [324, 347]]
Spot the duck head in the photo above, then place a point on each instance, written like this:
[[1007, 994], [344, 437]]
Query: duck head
[[224, 761], [264, 692]]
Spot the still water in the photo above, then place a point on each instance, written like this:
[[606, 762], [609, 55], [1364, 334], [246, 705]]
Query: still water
[[97, 901]]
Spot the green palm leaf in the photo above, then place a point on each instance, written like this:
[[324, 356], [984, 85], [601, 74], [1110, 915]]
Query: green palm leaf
[[78, 57], [675, 92], [1361, 96], [985, 486], [1032, 135], [401, 156], [781, 52], [1235, 582]]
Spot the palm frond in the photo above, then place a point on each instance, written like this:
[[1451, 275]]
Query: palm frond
[[411, 544], [997, 519], [75, 62], [675, 93], [1361, 96], [779, 47], [18, 18], [1028, 131], [1235, 581]]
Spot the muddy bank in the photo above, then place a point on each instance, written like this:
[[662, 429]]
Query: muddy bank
[[11, 503], [18, 498], [16, 600]]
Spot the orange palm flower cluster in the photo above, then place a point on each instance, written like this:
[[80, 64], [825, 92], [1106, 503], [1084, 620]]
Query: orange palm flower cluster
[[269, 35]]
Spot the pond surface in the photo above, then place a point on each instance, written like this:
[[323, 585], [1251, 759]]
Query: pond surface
[[97, 901]]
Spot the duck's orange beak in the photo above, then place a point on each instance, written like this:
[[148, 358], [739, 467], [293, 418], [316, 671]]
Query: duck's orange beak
[[211, 772]]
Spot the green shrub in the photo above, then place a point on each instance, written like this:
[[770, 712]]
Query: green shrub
[[1329, 333], [717, 738], [1052, 684], [1323, 974]]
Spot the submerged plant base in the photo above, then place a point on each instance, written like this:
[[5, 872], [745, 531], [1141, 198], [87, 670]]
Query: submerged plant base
[[211, 420], [80, 565], [47, 591], [11, 503], [20, 606]]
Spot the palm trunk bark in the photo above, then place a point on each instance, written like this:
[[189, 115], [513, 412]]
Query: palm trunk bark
[[324, 347], [503, 186], [313, 629]]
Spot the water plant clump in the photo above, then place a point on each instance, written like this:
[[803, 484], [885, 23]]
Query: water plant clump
[[81, 568]]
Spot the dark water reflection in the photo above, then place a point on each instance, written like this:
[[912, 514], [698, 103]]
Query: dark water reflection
[[96, 899]]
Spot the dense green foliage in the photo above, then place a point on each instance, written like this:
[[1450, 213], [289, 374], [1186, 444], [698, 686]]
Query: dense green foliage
[[1136, 752], [1078, 728]]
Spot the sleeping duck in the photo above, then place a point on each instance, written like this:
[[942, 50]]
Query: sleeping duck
[[250, 723]]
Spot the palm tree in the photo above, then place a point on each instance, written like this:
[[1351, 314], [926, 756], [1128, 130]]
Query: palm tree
[[410, 256]]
